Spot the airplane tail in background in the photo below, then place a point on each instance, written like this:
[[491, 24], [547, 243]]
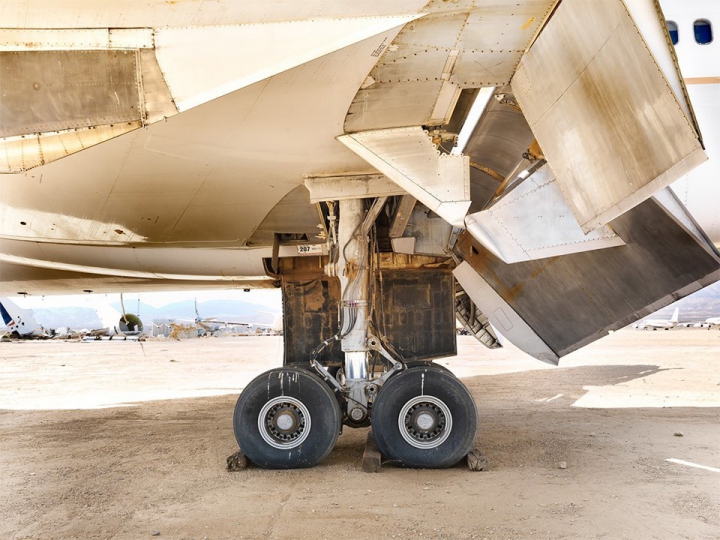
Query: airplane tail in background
[[109, 319], [676, 315], [17, 319]]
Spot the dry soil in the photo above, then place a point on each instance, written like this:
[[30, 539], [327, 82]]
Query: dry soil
[[129, 440]]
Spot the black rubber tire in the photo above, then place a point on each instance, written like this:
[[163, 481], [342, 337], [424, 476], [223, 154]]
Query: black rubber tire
[[433, 381], [426, 363], [305, 387]]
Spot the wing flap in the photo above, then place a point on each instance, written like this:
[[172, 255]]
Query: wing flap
[[601, 108]]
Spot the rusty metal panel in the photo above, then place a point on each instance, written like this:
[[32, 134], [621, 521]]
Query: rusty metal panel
[[42, 91], [310, 316], [419, 312], [602, 110], [573, 300], [417, 316]]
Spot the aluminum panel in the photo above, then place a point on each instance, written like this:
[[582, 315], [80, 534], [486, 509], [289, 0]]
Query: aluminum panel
[[571, 301], [649, 19], [55, 90], [19, 154], [408, 157], [533, 221], [463, 43], [157, 101], [386, 105], [34, 39], [602, 111], [204, 63]]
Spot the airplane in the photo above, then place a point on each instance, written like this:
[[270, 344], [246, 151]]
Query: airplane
[[660, 323], [540, 167], [712, 321], [114, 324], [20, 322], [212, 326]]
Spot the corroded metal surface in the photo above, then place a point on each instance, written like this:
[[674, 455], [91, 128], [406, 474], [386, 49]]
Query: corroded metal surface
[[310, 316], [55, 90], [414, 303], [608, 123], [572, 300], [456, 45], [419, 312]]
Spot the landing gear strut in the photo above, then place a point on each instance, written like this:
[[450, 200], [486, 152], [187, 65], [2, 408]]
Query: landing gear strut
[[421, 415]]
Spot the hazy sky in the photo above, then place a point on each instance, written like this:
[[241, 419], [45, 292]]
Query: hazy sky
[[269, 298]]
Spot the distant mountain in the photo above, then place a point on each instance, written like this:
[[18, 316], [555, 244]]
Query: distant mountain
[[71, 317], [235, 310], [696, 307], [84, 317]]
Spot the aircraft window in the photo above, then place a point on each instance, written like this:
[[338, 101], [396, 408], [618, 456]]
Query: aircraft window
[[673, 29], [703, 31]]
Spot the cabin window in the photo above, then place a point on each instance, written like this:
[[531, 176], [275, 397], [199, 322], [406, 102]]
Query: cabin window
[[673, 30], [703, 31]]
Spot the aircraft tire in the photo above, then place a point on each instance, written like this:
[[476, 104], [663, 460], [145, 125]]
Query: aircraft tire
[[287, 418], [424, 417], [426, 363]]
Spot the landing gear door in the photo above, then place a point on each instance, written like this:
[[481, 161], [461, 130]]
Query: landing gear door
[[608, 121]]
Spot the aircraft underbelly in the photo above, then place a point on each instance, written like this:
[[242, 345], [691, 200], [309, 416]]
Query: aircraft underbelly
[[189, 179], [700, 190]]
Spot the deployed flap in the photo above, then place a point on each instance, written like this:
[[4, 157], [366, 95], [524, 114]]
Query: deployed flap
[[599, 105], [572, 300], [533, 221], [502, 316], [408, 157]]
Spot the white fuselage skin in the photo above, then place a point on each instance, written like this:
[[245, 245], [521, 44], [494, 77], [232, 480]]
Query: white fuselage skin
[[186, 182], [699, 190]]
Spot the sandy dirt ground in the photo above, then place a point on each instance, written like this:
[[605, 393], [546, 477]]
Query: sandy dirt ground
[[129, 441]]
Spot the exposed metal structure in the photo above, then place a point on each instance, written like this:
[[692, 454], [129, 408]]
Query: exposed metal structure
[[535, 168]]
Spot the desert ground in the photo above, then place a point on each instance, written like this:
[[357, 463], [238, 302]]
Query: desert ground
[[128, 440]]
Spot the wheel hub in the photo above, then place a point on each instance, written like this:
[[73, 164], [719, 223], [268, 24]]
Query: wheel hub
[[425, 422], [284, 422]]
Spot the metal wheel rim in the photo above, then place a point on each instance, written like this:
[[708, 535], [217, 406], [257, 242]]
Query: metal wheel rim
[[433, 440], [271, 435]]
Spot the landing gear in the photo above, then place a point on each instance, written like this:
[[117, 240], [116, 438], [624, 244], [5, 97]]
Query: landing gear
[[356, 374], [287, 418], [424, 417]]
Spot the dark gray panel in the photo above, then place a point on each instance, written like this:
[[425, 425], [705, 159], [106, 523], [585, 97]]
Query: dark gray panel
[[573, 300], [310, 316], [43, 91], [419, 312], [417, 316]]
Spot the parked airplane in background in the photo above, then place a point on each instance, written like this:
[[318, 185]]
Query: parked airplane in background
[[115, 324], [213, 326], [547, 168], [20, 322], [712, 321], [665, 324]]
